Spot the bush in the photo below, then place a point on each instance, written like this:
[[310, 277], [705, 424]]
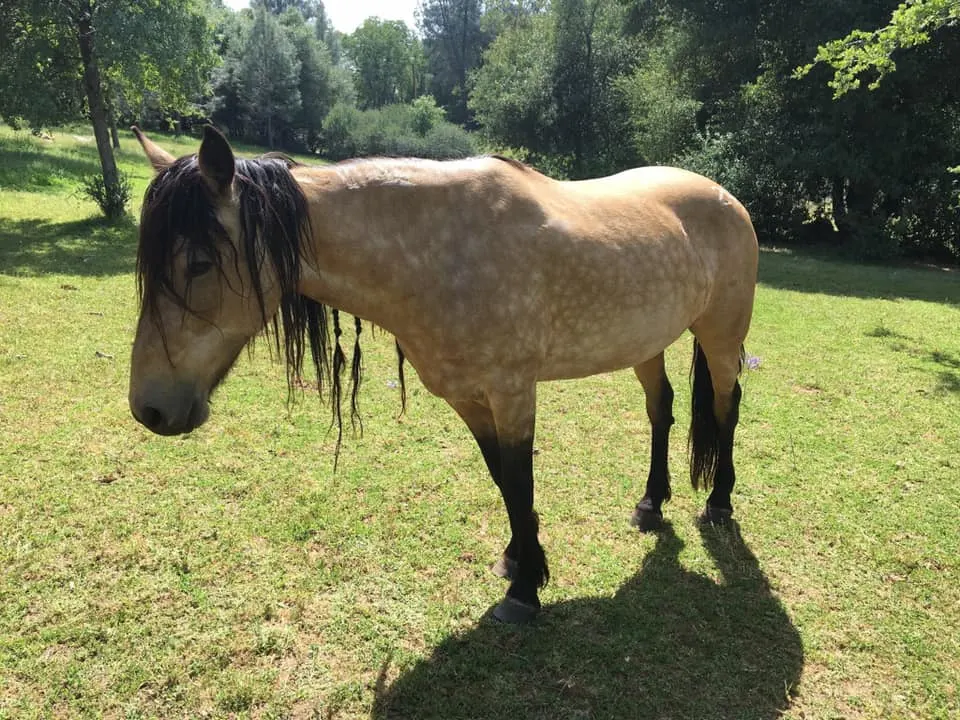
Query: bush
[[772, 198], [112, 201], [426, 115], [339, 131], [447, 141], [416, 130]]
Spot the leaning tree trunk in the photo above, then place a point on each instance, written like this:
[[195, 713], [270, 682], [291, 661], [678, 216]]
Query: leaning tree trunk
[[114, 135], [111, 106], [94, 90], [838, 197]]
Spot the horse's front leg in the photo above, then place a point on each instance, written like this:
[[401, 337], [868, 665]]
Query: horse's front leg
[[514, 415], [479, 419]]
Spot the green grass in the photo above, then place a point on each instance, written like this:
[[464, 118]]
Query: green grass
[[231, 573]]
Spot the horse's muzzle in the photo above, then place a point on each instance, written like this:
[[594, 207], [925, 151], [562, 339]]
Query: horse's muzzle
[[170, 413]]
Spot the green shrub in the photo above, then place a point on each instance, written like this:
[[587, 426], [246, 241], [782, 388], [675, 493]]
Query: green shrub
[[769, 195], [426, 115], [340, 130], [415, 130], [447, 140], [112, 201]]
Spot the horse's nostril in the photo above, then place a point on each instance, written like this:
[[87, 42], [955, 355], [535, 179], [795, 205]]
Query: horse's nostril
[[152, 418]]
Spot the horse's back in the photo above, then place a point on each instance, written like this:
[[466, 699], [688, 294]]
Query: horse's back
[[692, 227], [694, 200], [618, 266]]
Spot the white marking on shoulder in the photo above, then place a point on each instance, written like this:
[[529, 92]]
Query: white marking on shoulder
[[723, 196]]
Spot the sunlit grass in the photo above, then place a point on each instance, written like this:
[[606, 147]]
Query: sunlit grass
[[232, 573]]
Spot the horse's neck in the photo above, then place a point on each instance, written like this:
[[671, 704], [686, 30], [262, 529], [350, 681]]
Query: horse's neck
[[365, 256]]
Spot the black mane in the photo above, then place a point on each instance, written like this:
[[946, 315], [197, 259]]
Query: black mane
[[179, 210]]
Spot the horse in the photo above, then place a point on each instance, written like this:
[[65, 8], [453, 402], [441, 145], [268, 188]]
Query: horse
[[490, 276]]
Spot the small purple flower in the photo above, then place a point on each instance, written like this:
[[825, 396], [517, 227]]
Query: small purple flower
[[753, 362]]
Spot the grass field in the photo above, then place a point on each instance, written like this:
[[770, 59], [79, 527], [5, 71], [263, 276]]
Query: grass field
[[231, 573]]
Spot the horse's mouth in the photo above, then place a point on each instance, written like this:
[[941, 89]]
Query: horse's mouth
[[167, 423]]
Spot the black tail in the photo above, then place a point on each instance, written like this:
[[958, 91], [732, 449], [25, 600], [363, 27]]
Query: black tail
[[704, 438]]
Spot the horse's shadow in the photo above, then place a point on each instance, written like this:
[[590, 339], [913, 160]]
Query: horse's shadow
[[669, 644]]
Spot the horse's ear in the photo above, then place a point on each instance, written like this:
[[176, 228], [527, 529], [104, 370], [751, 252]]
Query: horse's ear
[[159, 158], [216, 160]]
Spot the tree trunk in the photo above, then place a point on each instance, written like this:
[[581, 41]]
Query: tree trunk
[[837, 195], [94, 90], [114, 135]]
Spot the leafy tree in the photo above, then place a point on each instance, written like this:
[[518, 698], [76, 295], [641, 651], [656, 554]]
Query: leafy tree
[[329, 36], [64, 57], [307, 8], [39, 67], [171, 70], [499, 15], [870, 167], [317, 82], [661, 96], [511, 93], [388, 62], [453, 42], [548, 85], [271, 78], [226, 104], [590, 53], [861, 51]]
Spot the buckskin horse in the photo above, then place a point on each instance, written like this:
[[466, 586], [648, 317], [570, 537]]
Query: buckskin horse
[[490, 276]]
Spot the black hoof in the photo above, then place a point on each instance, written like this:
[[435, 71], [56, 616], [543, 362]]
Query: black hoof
[[646, 520], [515, 612], [716, 516], [505, 568]]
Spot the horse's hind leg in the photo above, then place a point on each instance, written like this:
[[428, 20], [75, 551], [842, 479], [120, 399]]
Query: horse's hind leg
[[659, 400], [715, 413]]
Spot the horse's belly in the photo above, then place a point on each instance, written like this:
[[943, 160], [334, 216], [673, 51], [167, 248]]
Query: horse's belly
[[609, 346], [617, 325]]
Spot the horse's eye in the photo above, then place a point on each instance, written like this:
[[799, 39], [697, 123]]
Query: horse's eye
[[198, 267]]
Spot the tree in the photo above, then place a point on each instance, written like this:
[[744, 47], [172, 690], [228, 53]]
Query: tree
[[39, 67], [307, 8], [64, 57], [511, 92], [868, 168], [171, 70], [660, 94], [590, 53], [271, 78], [862, 51], [500, 15], [548, 85], [388, 62], [317, 83], [453, 42], [225, 106]]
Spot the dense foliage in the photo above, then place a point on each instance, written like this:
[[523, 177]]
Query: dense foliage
[[781, 102]]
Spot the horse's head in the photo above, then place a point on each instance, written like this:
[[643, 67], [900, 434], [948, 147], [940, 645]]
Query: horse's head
[[218, 254]]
